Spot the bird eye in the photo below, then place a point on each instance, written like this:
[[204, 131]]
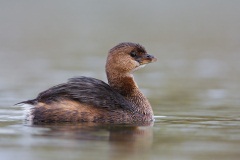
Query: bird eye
[[133, 54]]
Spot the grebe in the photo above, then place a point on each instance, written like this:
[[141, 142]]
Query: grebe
[[84, 99]]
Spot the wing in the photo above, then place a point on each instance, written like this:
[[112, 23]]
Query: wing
[[86, 90]]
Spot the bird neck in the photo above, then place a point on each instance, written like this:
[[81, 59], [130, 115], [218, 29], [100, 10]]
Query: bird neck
[[126, 86]]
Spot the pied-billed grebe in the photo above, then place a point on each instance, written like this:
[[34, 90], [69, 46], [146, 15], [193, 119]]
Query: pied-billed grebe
[[84, 99]]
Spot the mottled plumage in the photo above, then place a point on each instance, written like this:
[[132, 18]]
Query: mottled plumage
[[85, 90]]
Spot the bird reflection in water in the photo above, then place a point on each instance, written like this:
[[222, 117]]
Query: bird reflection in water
[[128, 138]]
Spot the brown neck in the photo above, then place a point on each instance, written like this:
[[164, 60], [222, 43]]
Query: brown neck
[[123, 83], [126, 86]]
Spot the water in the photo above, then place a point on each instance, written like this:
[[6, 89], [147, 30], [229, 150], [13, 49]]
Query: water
[[193, 88]]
